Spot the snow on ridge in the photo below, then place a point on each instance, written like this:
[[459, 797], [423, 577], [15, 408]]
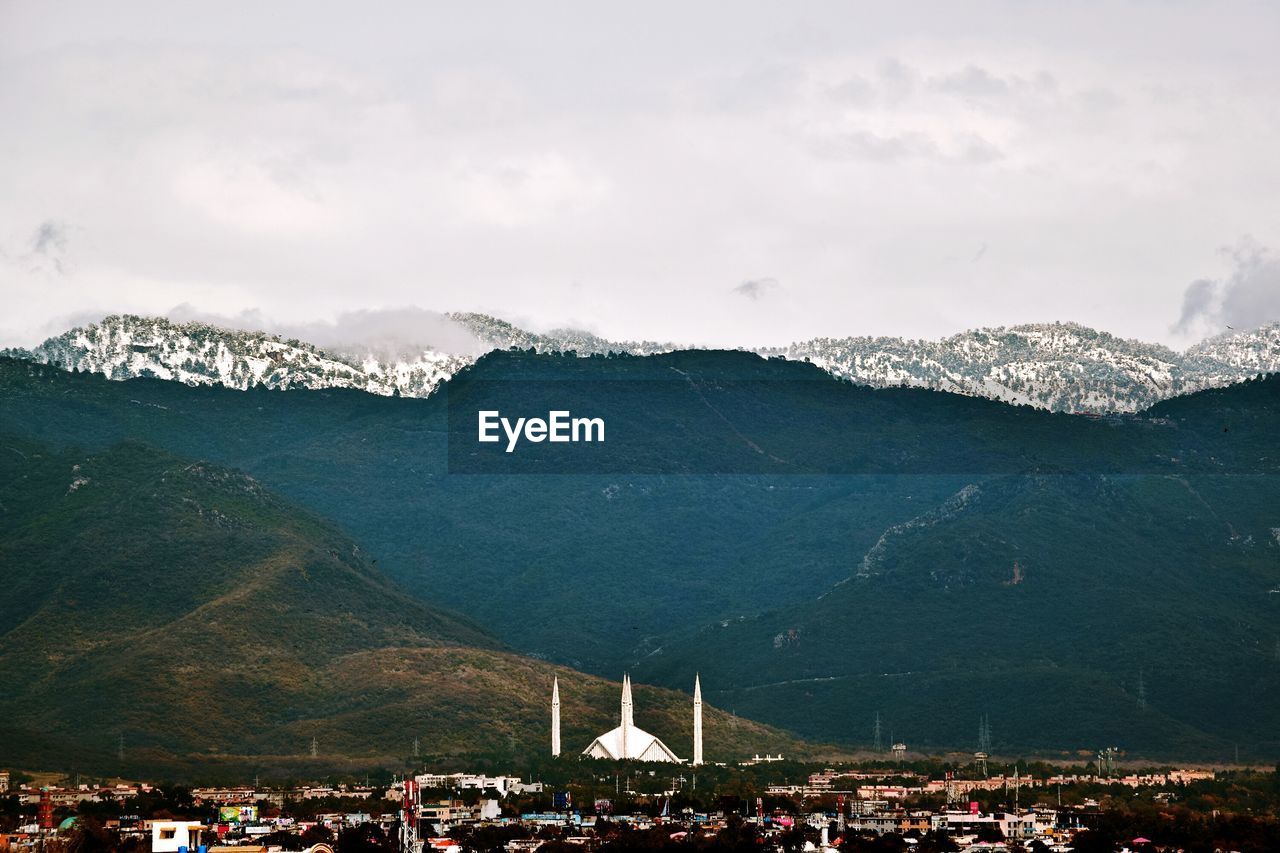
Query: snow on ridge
[[1056, 366], [126, 346]]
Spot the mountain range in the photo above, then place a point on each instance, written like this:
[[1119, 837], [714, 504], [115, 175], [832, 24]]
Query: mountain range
[[822, 552], [1059, 366]]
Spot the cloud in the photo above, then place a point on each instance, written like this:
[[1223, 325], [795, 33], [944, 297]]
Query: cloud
[[865, 145], [974, 82], [50, 238], [898, 80], [392, 333], [46, 250], [756, 288], [845, 151], [961, 148], [385, 333], [972, 148], [854, 90], [1247, 297], [1198, 305]]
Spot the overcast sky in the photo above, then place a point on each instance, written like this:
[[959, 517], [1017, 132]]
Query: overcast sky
[[721, 173]]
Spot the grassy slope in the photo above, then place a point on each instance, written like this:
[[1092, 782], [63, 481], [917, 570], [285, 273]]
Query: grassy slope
[[184, 606]]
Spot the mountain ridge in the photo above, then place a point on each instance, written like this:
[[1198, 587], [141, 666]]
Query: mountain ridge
[[1056, 366]]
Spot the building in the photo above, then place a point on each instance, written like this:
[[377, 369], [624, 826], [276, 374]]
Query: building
[[555, 718], [697, 720], [504, 785], [169, 836], [628, 741], [1020, 825]]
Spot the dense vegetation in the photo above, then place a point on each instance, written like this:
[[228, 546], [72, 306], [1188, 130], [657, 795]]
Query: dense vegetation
[[182, 613], [821, 552]]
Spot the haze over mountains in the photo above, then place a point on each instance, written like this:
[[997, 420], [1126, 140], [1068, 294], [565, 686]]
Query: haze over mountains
[[1060, 367], [1082, 581]]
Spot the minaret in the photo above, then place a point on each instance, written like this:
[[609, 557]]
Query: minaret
[[555, 718], [628, 719], [697, 720]]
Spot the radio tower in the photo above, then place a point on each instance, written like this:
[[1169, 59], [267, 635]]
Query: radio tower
[[984, 734], [315, 747], [415, 748], [875, 733], [1142, 690], [409, 842]]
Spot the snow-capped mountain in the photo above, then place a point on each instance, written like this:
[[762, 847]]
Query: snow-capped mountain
[[125, 346], [499, 334], [1248, 352], [1058, 366]]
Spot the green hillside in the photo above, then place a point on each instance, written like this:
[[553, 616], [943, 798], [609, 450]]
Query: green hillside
[[805, 543], [1073, 611], [186, 608]]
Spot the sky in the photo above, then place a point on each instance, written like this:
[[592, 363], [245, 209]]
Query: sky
[[731, 173]]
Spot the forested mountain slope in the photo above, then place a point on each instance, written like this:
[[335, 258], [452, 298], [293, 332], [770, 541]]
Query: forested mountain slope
[[834, 532], [184, 611]]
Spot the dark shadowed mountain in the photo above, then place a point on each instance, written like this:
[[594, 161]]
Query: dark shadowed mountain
[[820, 551]]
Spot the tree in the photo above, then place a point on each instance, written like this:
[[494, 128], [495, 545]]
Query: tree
[[365, 838], [317, 834], [1093, 841], [89, 836]]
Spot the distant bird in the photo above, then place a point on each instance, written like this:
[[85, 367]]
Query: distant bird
[[1232, 328]]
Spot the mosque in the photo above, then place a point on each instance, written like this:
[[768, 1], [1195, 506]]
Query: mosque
[[628, 740]]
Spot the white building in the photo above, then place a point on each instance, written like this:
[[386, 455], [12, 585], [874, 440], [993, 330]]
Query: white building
[[504, 785], [627, 740], [167, 836], [1027, 824], [555, 718], [697, 720]]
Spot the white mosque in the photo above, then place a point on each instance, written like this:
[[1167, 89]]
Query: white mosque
[[628, 740]]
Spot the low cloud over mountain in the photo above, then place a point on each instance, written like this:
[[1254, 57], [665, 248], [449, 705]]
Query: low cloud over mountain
[[1246, 298]]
